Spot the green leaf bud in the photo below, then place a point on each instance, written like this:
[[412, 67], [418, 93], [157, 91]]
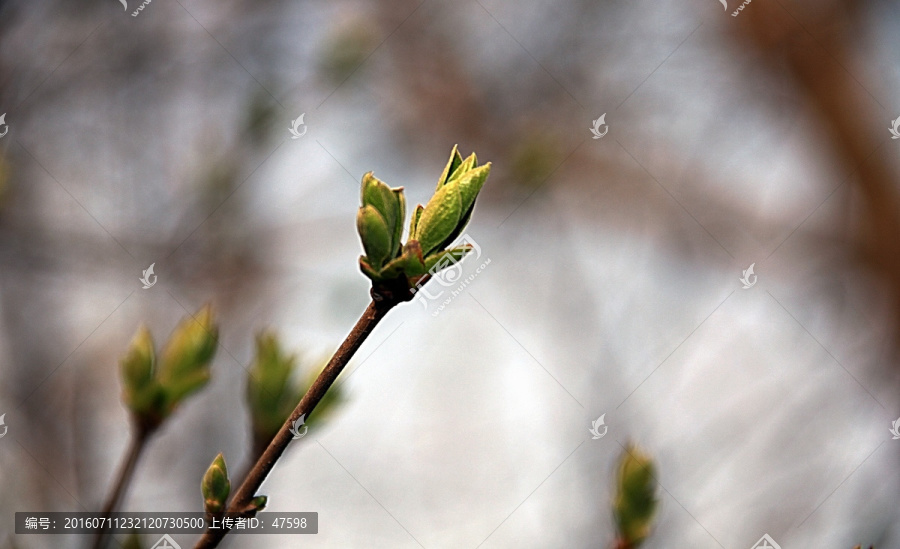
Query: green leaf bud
[[184, 366], [373, 231], [635, 503], [216, 486], [258, 503], [137, 366]]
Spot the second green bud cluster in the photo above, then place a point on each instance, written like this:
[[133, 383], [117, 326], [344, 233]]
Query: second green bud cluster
[[635, 505], [154, 387]]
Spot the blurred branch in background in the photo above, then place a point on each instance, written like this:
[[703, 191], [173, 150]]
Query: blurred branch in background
[[46, 253], [855, 131]]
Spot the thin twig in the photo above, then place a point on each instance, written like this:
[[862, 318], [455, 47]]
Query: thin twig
[[126, 474], [241, 502]]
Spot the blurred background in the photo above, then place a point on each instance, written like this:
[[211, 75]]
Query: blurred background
[[761, 138]]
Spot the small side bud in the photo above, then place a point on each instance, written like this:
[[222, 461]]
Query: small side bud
[[215, 486], [258, 503]]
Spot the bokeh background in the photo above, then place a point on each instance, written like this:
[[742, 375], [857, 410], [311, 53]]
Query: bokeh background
[[613, 285]]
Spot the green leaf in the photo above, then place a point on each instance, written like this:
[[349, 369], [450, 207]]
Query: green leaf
[[137, 365], [414, 221], [377, 194], [466, 166], [178, 389], [409, 263], [373, 232], [452, 165], [190, 349], [396, 243], [470, 185], [367, 269], [451, 256], [440, 217]]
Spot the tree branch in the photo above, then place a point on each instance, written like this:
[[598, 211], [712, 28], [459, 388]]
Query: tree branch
[[126, 474], [241, 501]]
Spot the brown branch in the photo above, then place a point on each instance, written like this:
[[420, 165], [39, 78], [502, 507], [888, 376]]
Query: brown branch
[[126, 474], [824, 69], [241, 503]]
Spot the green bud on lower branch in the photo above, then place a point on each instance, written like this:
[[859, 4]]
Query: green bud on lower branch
[[215, 486], [258, 504], [635, 504], [152, 388]]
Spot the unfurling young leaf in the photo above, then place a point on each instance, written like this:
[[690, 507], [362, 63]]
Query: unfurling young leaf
[[184, 365], [189, 350], [216, 486], [635, 504]]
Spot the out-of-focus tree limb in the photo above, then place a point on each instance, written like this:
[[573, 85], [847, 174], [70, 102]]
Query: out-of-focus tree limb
[[820, 59]]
